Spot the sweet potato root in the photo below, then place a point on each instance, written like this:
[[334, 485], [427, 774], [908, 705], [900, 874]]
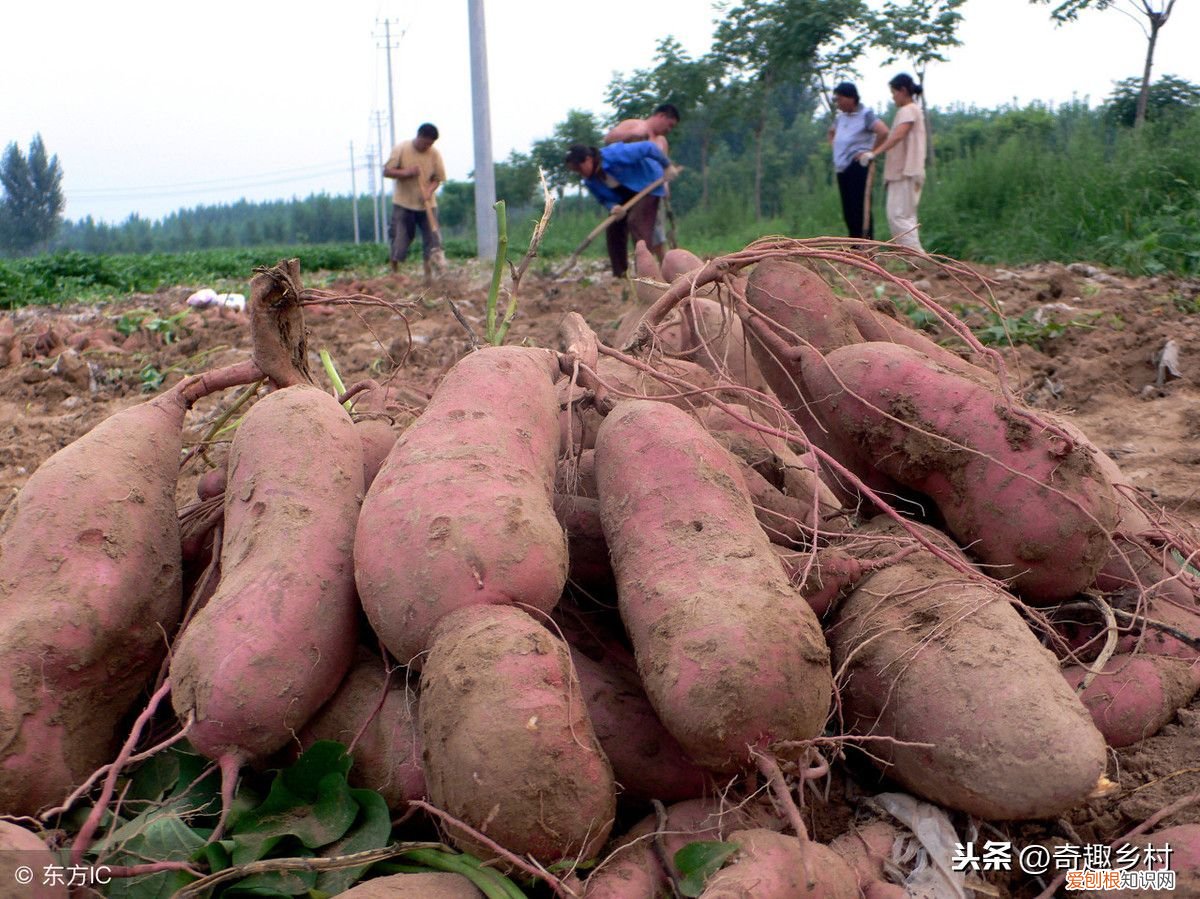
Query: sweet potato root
[[771, 865], [508, 746], [1033, 512], [461, 512], [731, 658], [382, 717], [275, 640], [648, 763], [1135, 696], [945, 666], [90, 586]]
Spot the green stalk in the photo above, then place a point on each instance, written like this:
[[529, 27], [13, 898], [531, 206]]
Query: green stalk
[[497, 273], [490, 882], [339, 386]]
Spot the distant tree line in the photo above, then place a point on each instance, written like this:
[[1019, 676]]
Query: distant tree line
[[752, 136]]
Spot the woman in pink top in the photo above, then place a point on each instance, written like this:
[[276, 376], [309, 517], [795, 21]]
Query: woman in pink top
[[904, 170]]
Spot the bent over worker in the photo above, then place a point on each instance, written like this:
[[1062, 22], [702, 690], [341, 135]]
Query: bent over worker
[[613, 175]]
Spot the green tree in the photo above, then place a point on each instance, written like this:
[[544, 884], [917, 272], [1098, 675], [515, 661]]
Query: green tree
[[1156, 15], [32, 204], [517, 180], [579, 127], [763, 43], [1167, 95], [917, 32]]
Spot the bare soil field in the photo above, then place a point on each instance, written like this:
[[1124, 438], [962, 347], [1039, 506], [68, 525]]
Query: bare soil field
[[1087, 343]]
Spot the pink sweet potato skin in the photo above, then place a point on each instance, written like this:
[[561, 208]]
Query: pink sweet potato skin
[[508, 746], [19, 847], [632, 870], [1135, 695], [433, 885], [461, 512], [731, 657], [930, 657], [797, 302], [771, 865], [648, 763], [278, 636], [589, 566], [89, 585], [387, 756], [1031, 513]]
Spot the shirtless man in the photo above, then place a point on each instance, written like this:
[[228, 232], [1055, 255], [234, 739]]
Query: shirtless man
[[654, 129]]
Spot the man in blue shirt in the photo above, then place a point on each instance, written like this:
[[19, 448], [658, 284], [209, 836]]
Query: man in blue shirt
[[613, 174]]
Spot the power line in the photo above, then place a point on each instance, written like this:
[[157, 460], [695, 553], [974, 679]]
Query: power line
[[231, 181]]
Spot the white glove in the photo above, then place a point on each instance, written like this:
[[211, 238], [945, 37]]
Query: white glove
[[866, 157]]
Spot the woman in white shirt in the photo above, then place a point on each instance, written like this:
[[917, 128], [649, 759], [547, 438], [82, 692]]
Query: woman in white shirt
[[904, 170]]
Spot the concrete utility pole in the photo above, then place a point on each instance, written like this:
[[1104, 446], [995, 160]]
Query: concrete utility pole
[[353, 193], [481, 119], [384, 212], [371, 187], [388, 46]]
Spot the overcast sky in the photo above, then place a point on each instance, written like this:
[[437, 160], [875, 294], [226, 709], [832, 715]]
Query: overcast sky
[[154, 106]]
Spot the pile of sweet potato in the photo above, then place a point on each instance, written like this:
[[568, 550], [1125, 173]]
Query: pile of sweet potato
[[784, 540]]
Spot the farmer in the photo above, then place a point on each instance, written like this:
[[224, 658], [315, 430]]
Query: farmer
[[855, 131], [656, 128], [904, 171], [417, 167], [614, 174]]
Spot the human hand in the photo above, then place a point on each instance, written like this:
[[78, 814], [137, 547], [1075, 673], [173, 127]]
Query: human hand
[[672, 172], [866, 157], [618, 212]]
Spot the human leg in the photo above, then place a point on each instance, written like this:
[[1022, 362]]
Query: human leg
[[617, 239], [404, 228], [642, 219], [903, 195]]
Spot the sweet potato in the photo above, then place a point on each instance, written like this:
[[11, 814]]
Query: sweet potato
[[589, 566], [20, 848], [275, 640], [90, 586], [432, 885], [648, 763], [1134, 696], [576, 475], [868, 850], [731, 658], [797, 303], [1033, 513], [461, 512], [633, 870], [926, 656], [771, 865], [715, 339], [382, 716], [508, 747]]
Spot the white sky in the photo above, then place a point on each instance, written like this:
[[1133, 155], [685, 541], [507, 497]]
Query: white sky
[[154, 106]]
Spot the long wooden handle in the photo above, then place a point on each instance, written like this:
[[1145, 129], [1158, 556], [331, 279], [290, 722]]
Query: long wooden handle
[[867, 197], [603, 226], [431, 211]]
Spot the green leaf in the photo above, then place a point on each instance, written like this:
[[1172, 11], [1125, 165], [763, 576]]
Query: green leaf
[[698, 861], [371, 830], [275, 883], [322, 758], [158, 834], [315, 823]]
